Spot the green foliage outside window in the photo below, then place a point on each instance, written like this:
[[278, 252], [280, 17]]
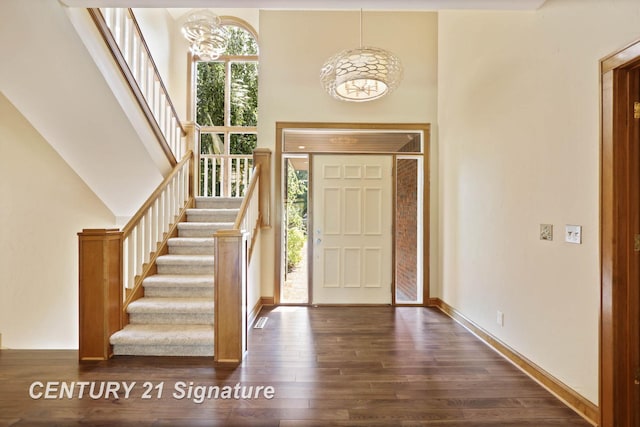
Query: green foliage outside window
[[297, 188], [244, 94], [210, 94], [240, 143], [240, 41], [243, 143], [211, 143]]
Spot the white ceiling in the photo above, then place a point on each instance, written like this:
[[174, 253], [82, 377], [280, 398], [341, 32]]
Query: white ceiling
[[320, 4]]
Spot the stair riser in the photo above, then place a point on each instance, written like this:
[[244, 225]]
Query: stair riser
[[160, 350], [186, 269], [179, 292], [212, 217], [191, 250], [198, 232], [171, 318], [218, 203]]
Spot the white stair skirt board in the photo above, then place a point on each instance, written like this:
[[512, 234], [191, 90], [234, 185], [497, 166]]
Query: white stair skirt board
[[175, 316]]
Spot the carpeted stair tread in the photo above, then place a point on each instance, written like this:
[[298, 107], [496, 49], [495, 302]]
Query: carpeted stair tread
[[171, 305], [218, 202], [185, 259], [202, 229], [178, 280], [197, 225], [179, 285], [191, 246], [191, 241], [212, 215], [154, 335], [190, 264], [213, 211]]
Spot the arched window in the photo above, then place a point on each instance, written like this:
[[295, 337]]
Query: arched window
[[226, 109]]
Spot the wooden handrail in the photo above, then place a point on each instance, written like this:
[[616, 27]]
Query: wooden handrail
[[244, 207], [146, 232], [126, 230]]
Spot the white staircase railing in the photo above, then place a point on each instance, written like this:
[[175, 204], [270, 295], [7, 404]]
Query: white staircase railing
[[149, 226], [249, 220], [121, 31], [225, 175]]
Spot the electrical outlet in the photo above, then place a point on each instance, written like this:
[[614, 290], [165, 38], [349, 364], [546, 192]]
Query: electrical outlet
[[500, 318], [573, 234], [546, 232]]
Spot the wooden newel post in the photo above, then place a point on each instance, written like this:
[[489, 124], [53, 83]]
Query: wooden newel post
[[100, 292], [262, 157], [193, 145], [230, 323]]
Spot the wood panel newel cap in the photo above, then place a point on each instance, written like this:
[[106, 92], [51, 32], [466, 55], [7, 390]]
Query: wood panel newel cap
[[228, 233]]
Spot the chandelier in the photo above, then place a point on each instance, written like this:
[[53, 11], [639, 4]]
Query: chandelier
[[207, 37], [361, 74]]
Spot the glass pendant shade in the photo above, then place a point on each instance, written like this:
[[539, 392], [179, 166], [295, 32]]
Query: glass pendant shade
[[207, 38], [362, 74]]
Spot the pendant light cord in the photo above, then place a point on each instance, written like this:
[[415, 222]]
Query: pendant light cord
[[360, 28]]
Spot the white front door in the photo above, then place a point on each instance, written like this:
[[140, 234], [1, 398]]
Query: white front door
[[352, 229]]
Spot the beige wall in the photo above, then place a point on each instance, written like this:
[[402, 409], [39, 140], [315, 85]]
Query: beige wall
[[84, 114], [519, 136], [44, 204], [293, 48]]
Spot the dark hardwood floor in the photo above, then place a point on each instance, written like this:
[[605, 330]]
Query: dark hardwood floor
[[365, 366]]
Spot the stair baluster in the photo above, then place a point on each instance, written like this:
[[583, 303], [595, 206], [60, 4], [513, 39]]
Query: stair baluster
[[124, 258]]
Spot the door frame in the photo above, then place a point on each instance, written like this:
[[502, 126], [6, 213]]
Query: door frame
[[619, 213], [278, 189]]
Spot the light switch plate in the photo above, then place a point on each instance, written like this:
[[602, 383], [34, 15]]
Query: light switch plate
[[573, 234]]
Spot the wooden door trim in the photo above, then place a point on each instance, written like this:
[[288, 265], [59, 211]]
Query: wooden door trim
[[619, 206]]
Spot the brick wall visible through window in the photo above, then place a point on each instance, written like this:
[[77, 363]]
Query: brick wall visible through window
[[406, 230]]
